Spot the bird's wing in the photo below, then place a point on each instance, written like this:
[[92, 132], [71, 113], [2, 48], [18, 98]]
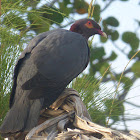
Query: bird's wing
[[33, 43], [59, 58]]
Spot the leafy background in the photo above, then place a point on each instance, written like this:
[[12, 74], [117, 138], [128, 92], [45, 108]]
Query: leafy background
[[22, 20]]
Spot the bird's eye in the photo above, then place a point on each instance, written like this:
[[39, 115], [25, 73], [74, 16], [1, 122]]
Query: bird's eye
[[89, 24]]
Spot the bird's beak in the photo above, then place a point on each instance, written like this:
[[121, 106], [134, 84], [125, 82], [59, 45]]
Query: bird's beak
[[102, 33]]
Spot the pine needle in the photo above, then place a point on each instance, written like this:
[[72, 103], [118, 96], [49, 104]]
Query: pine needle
[[91, 9], [119, 85]]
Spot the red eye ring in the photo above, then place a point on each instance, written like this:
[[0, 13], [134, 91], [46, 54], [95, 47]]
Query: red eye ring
[[89, 22]]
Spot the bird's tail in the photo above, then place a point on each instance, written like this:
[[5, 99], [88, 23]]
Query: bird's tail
[[22, 116]]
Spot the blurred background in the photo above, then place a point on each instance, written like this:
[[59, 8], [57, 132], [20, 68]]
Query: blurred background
[[110, 86]]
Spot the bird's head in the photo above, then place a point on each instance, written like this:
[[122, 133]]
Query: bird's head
[[87, 28]]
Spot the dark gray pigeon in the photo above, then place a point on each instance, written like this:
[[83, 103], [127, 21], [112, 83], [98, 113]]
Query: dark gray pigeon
[[44, 69]]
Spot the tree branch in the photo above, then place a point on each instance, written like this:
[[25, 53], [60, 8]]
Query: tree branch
[[63, 26], [122, 51], [107, 5], [124, 122], [69, 120], [108, 79], [132, 104], [52, 3]]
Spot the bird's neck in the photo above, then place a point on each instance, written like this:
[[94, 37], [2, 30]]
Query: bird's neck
[[75, 28]]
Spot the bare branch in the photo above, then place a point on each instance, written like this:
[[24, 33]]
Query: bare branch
[[132, 104], [80, 127], [52, 3], [110, 79], [124, 122], [63, 26], [107, 5], [116, 46]]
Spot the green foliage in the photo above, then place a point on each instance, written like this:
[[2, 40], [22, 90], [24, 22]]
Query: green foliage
[[96, 14], [64, 8], [14, 20], [109, 27], [113, 56], [9, 51], [127, 82], [97, 53], [99, 105], [117, 108], [97, 115], [103, 67], [112, 21], [87, 86], [38, 24], [131, 39], [80, 6], [136, 68], [53, 14], [114, 35], [103, 39]]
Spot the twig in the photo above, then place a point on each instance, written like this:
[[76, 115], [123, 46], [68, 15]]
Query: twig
[[122, 96], [132, 119], [124, 122], [122, 51], [115, 75], [107, 5], [63, 26], [80, 127], [132, 104], [52, 3], [119, 84]]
